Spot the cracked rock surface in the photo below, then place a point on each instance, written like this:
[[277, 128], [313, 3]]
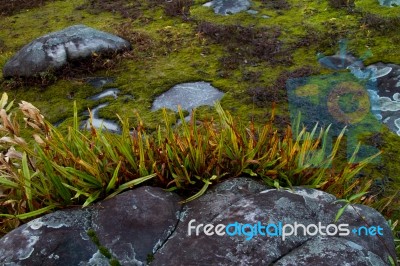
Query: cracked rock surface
[[54, 50], [130, 226], [148, 224]]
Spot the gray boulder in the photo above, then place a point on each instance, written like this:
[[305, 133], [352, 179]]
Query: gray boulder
[[246, 202], [148, 226], [129, 227], [54, 50], [389, 3], [226, 7], [188, 95]]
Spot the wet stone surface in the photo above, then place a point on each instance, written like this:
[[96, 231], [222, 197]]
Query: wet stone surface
[[149, 222], [340, 61], [188, 96], [130, 226], [98, 122], [226, 7], [389, 3], [99, 82], [106, 93]]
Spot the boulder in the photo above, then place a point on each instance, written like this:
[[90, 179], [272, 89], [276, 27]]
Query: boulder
[[389, 3], [188, 96], [55, 50], [226, 7], [129, 227], [148, 225], [245, 202]]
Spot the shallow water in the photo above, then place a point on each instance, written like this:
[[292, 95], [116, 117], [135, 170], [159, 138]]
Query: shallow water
[[99, 82], [109, 92], [96, 120], [101, 123]]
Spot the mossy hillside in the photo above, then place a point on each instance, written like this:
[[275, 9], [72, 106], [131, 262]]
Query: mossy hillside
[[173, 63]]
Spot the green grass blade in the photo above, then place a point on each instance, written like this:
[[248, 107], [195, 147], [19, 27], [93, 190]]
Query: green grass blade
[[340, 212], [200, 193], [27, 180], [35, 213], [130, 184], [114, 178], [55, 179], [91, 198], [4, 181]]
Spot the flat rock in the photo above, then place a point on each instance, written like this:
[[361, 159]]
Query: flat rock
[[188, 96], [389, 3], [226, 7], [340, 61], [148, 224], [54, 50]]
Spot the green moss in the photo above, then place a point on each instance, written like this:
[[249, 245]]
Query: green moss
[[178, 54], [150, 258], [103, 250], [374, 7], [93, 236], [114, 262]]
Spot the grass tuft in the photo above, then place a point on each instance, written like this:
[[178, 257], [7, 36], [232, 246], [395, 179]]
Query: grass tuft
[[51, 169]]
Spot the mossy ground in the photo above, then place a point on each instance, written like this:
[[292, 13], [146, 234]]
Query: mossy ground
[[170, 50]]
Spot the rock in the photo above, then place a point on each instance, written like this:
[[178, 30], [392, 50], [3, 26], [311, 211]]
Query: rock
[[226, 7], [99, 82], [130, 226], [383, 84], [54, 50], [389, 3], [247, 202], [340, 61], [148, 224], [188, 96], [386, 99], [252, 12], [55, 239], [137, 224]]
